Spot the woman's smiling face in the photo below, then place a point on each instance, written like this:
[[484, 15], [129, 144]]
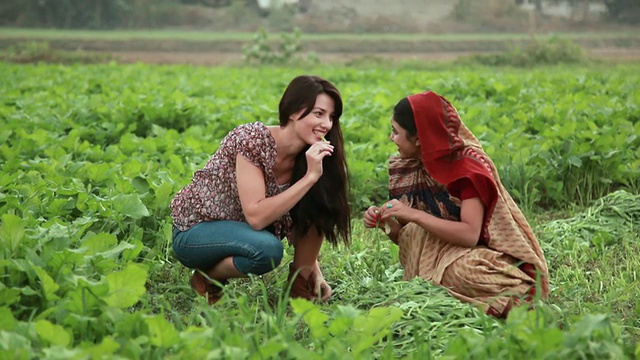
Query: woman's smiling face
[[315, 126], [408, 145]]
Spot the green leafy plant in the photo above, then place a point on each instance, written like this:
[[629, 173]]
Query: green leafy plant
[[92, 155], [286, 51]]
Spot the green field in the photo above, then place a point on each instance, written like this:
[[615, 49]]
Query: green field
[[214, 35], [203, 41], [91, 156]]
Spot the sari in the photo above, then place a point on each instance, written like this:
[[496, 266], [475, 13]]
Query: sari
[[507, 267]]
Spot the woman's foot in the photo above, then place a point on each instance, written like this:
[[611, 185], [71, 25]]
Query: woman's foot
[[301, 286], [206, 288]]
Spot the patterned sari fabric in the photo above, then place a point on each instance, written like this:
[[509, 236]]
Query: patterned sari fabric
[[507, 267]]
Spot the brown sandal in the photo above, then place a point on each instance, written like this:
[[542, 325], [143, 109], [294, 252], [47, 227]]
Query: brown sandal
[[204, 287], [301, 286]]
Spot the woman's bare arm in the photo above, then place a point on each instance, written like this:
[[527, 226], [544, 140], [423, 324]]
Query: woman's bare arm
[[465, 232], [258, 209]]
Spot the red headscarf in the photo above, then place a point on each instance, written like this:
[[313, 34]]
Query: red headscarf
[[450, 152]]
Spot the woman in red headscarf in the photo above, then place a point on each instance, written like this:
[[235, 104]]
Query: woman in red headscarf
[[455, 224]]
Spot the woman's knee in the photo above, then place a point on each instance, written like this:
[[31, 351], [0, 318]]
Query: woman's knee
[[265, 257], [270, 255], [181, 253]]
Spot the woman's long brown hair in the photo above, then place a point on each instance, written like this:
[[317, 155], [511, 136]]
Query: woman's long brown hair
[[325, 206]]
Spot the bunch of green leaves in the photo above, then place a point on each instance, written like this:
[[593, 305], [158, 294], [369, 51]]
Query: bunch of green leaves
[[264, 51]]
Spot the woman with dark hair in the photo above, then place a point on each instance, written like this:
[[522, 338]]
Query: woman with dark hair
[[455, 224], [265, 183]]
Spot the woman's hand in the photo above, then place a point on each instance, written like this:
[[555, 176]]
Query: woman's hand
[[314, 156], [320, 287], [465, 232], [372, 217], [395, 209]]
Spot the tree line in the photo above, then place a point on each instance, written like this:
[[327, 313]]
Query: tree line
[[131, 14], [625, 11], [104, 14]]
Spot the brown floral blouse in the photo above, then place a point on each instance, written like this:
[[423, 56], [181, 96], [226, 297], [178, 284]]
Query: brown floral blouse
[[213, 192]]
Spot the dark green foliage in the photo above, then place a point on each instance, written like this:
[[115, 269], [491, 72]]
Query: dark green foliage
[[535, 52], [627, 11], [38, 51]]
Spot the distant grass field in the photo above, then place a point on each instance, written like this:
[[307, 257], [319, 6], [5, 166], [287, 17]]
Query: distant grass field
[[55, 34], [233, 42]]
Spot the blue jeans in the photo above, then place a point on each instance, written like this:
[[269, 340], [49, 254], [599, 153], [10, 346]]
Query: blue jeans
[[207, 243]]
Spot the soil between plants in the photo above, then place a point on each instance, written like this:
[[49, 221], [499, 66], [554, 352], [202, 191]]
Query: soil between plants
[[230, 58]]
